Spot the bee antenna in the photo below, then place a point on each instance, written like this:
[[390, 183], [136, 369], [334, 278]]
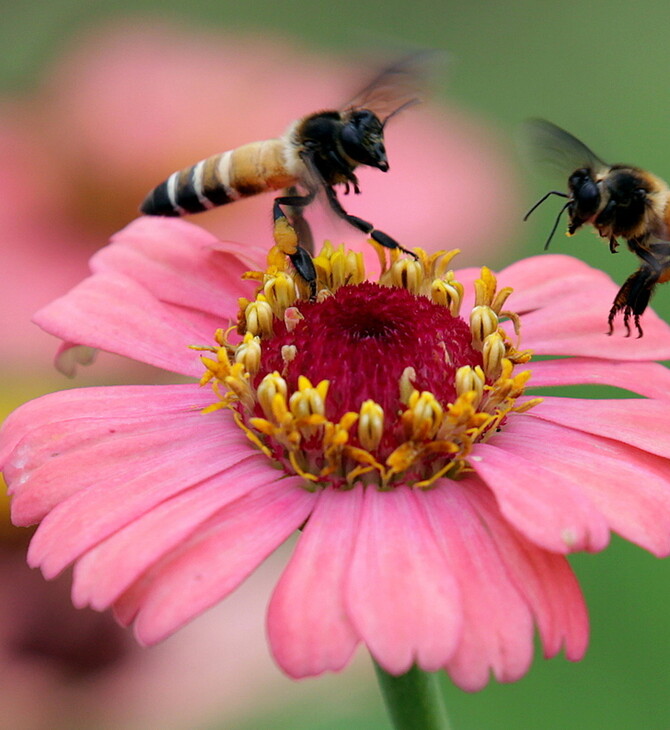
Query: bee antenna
[[556, 222], [401, 108], [543, 198]]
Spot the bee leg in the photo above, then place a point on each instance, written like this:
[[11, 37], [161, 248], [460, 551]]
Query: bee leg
[[382, 238], [606, 216], [287, 239], [633, 297], [302, 261], [344, 169], [299, 222], [614, 244]]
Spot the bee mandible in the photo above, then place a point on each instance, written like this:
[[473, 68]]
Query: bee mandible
[[316, 153], [619, 201]]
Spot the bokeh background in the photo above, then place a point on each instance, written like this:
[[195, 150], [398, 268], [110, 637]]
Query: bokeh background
[[100, 101]]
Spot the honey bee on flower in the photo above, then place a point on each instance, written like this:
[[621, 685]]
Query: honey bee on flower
[[316, 153]]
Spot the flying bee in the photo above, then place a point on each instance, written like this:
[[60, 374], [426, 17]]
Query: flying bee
[[315, 153], [618, 201]]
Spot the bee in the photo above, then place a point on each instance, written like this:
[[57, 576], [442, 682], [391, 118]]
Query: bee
[[315, 154], [619, 201]]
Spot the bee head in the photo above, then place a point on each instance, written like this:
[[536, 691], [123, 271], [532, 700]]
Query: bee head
[[363, 139], [585, 198]]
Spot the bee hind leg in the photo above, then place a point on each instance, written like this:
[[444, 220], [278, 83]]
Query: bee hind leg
[[382, 238], [288, 236], [632, 299], [298, 220]]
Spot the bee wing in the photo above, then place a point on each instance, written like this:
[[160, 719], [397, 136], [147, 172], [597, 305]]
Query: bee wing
[[551, 148], [397, 86]]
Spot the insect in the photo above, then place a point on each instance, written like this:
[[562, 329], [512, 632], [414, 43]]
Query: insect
[[619, 201], [315, 154]]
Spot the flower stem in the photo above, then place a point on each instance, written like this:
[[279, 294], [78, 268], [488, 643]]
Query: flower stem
[[413, 700]]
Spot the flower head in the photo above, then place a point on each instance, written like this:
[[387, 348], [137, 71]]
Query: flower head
[[387, 420]]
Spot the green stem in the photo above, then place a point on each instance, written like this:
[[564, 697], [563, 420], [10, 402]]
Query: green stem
[[413, 700]]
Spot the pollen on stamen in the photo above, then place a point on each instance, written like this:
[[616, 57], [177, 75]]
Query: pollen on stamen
[[376, 382]]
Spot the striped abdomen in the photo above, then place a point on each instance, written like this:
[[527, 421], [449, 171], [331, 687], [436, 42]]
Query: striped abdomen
[[240, 173]]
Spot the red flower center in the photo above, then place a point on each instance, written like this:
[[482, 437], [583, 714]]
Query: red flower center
[[361, 340], [376, 382]]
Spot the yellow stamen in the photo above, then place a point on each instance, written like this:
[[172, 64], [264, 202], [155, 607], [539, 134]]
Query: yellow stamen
[[406, 384], [406, 274], [483, 322], [423, 416], [271, 385], [337, 267], [370, 425], [249, 353], [258, 317], [493, 352], [500, 298], [308, 400], [280, 292], [470, 379], [448, 293]]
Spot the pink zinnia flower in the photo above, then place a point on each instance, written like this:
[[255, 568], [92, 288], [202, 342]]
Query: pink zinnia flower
[[387, 421]]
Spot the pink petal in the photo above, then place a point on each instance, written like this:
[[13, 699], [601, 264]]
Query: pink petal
[[138, 326], [544, 579], [540, 280], [629, 486], [650, 379], [497, 631], [636, 421], [109, 569], [181, 264], [401, 595], [44, 441], [117, 486], [215, 560], [574, 326], [548, 508], [308, 627], [104, 403]]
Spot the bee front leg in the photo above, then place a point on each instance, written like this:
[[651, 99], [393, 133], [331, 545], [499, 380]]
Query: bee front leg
[[287, 239], [382, 238], [344, 169]]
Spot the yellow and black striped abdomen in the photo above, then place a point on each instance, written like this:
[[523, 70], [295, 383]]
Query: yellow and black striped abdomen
[[220, 179]]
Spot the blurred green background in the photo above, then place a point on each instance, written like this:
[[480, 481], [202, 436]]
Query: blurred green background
[[599, 69]]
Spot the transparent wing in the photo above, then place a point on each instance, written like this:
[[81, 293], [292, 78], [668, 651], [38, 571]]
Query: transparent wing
[[397, 86], [553, 150]]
